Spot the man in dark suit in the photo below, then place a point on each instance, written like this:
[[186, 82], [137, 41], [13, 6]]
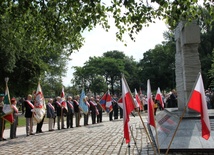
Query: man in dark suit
[[115, 106], [50, 114], [93, 109], [77, 110], [100, 110], [70, 112], [59, 113], [28, 104]]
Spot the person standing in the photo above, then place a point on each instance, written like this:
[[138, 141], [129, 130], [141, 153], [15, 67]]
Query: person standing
[[145, 103], [70, 112], [93, 108], [77, 110], [173, 99], [2, 121], [28, 104], [13, 126], [115, 106], [100, 110], [59, 114], [50, 114], [86, 115]]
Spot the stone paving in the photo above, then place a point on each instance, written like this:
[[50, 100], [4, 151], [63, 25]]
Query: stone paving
[[104, 138]]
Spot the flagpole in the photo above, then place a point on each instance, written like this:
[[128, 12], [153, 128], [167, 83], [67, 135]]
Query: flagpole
[[147, 133], [157, 140], [176, 130], [184, 111], [141, 118]]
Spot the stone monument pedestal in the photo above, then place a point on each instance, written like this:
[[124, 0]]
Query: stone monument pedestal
[[188, 136]]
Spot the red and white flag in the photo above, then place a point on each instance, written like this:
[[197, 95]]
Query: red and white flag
[[39, 104], [138, 100], [120, 102], [128, 107], [106, 102], [39, 98], [198, 103], [150, 104], [159, 97], [63, 101]]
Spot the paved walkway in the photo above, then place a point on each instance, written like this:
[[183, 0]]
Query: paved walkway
[[104, 138]]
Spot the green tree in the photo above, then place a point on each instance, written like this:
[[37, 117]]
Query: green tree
[[158, 66], [109, 66], [32, 29]]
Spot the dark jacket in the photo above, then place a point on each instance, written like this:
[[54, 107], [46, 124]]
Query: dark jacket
[[58, 109], [28, 108], [50, 112], [76, 106], [70, 109]]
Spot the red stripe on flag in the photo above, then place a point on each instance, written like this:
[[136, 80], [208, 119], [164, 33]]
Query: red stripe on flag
[[128, 107], [198, 103]]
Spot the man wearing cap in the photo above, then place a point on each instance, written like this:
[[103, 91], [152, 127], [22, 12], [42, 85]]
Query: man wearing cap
[[13, 126], [2, 122]]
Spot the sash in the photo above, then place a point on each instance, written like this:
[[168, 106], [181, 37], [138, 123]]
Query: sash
[[87, 103], [58, 103], [30, 104], [94, 104], [77, 103], [51, 106], [69, 103], [97, 112], [15, 108]]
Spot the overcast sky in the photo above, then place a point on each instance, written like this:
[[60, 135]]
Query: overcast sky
[[99, 41]]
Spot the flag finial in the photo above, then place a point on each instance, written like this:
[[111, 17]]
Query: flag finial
[[6, 79]]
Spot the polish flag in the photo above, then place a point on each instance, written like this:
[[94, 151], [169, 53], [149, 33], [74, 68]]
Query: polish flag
[[150, 103], [138, 100], [159, 97], [120, 102], [198, 103], [128, 107]]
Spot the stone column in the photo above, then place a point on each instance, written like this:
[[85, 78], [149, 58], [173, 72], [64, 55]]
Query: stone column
[[187, 63]]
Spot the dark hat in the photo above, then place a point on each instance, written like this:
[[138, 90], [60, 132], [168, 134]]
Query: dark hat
[[1, 95]]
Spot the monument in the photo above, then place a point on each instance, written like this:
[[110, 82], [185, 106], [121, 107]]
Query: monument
[[187, 63], [187, 66]]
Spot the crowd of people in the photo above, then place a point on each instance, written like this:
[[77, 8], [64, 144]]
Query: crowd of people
[[55, 112], [58, 114]]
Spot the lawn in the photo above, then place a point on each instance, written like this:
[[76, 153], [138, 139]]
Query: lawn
[[22, 122]]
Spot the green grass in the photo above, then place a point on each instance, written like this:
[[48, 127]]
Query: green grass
[[22, 122]]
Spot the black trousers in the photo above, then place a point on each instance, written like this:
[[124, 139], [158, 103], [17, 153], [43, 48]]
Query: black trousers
[[39, 126], [69, 120]]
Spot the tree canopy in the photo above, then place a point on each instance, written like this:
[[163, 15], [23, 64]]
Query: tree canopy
[[37, 36]]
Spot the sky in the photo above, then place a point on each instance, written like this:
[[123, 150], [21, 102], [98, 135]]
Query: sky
[[98, 41]]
